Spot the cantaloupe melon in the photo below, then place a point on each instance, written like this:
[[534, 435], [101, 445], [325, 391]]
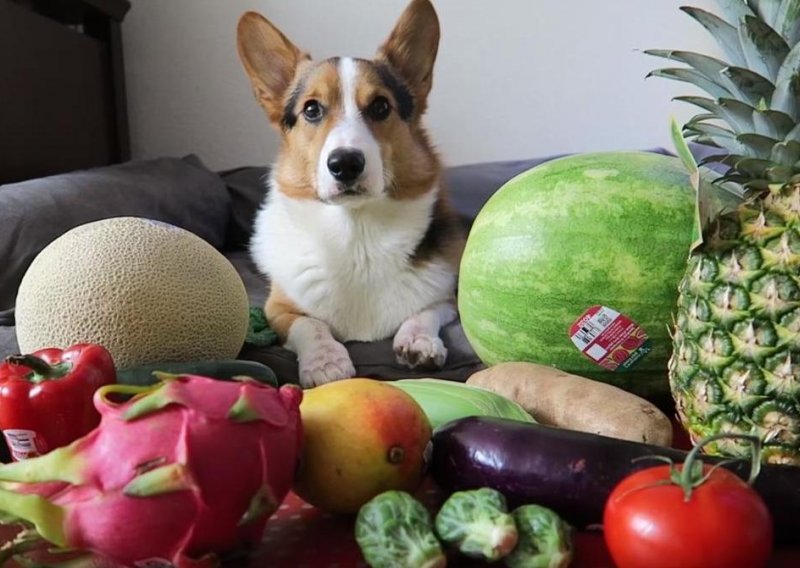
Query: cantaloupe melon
[[148, 291]]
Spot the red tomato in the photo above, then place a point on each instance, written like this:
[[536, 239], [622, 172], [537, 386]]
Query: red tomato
[[648, 523]]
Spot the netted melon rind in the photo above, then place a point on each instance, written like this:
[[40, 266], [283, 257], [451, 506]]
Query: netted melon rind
[[147, 291]]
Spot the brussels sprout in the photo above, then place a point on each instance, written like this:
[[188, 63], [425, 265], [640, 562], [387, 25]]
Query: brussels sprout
[[545, 540], [394, 531], [477, 523]]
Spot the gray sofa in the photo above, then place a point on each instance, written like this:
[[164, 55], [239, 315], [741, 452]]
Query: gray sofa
[[219, 207]]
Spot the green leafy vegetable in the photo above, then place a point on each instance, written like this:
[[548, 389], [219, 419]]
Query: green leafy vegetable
[[259, 332], [545, 540], [477, 523], [444, 401], [394, 531]]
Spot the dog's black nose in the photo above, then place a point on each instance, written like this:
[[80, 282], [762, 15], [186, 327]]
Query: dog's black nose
[[346, 164]]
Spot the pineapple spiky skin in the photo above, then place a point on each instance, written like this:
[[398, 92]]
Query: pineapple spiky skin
[[736, 358], [735, 365]]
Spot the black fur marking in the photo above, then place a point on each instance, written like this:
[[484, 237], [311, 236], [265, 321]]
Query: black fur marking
[[289, 115], [443, 230], [403, 97]]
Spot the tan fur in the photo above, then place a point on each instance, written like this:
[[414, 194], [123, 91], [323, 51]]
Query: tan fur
[[406, 148], [270, 61], [295, 168], [281, 312], [411, 49], [446, 239]]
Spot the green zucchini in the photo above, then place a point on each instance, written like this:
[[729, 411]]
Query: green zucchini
[[224, 369]]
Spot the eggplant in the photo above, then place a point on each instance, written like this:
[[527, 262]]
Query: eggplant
[[572, 472]]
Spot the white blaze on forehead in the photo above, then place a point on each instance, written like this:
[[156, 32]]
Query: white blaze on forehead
[[351, 131], [348, 79]]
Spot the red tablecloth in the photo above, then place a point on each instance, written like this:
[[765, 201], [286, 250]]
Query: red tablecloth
[[300, 536]]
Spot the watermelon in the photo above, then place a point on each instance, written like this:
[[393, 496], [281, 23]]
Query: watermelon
[[561, 248]]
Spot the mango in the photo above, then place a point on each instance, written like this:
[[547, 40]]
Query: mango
[[361, 437]]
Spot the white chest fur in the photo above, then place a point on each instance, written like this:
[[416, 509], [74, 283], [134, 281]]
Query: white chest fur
[[351, 268]]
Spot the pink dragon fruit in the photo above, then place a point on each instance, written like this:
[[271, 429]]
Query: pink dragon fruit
[[190, 467]]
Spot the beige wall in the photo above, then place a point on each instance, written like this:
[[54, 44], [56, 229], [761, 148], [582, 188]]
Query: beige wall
[[514, 78]]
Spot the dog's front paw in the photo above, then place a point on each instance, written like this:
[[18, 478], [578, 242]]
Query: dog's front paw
[[419, 350], [326, 361]]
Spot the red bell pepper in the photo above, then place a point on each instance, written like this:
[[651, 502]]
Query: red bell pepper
[[46, 397]]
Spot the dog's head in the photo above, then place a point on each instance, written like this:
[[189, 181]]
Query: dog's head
[[350, 127]]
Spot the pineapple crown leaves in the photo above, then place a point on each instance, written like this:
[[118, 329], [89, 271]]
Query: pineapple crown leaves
[[754, 106], [712, 199]]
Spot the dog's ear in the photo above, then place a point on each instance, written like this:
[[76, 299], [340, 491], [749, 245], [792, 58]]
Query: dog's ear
[[411, 49], [269, 59]]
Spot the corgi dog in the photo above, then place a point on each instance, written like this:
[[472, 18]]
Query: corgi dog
[[356, 234]]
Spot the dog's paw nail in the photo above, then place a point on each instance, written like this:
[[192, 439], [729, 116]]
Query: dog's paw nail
[[421, 351]]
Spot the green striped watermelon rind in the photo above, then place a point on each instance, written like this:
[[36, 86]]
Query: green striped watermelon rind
[[606, 228]]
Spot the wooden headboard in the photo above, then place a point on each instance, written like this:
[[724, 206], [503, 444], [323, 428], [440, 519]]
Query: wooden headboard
[[62, 86]]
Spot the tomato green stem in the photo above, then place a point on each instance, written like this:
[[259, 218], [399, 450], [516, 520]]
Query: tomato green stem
[[691, 475]]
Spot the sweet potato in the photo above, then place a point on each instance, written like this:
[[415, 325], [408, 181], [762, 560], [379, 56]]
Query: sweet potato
[[560, 399]]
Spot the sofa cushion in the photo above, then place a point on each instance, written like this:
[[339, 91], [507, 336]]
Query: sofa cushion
[[247, 187]]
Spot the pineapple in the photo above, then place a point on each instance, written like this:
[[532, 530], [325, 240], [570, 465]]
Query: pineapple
[[736, 360]]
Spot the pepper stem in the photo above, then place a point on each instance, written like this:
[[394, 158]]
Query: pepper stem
[[41, 369], [691, 474]]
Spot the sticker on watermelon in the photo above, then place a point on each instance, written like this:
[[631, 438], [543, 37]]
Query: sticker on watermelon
[[610, 339]]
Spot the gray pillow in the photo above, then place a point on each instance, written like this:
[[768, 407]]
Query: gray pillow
[[247, 187], [33, 213], [470, 186]]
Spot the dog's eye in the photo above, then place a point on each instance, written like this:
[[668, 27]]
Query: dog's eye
[[312, 111], [379, 108]]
